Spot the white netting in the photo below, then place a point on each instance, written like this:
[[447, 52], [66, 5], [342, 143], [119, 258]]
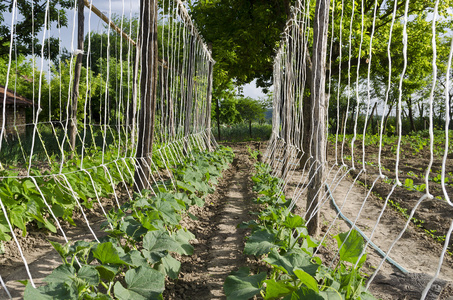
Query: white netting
[[384, 59], [57, 155]]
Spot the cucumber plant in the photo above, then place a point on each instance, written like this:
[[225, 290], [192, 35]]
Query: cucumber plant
[[143, 236], [280, 238]]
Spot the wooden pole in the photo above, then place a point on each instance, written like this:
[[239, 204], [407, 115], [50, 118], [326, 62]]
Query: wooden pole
[[77, 70], [133, 112], [218, 118], [289, 98], [107, 20], [208, 101], [148, 87], [319, 106], [190, 88]]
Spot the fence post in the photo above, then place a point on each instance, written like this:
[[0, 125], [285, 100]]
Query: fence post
[[190, 89], [209, 100], [319, 109], [148, 87], [77, 70]]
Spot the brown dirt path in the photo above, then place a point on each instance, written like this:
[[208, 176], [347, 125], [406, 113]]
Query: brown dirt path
[[219, 244]]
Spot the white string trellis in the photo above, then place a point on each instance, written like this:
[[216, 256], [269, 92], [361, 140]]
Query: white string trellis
[[109, 105], [359, 29]]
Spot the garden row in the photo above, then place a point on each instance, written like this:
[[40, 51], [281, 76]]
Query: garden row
[[280, 239], [141, 237], [412, 174]]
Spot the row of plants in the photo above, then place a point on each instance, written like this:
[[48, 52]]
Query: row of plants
[[280, 239], [142, 237], [23, 197], [28, 199], [411, 143]]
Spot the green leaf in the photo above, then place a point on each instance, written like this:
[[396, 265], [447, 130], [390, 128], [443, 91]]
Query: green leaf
[[143, 283], [186, 187], [106, 253], [167, 212], [350, 248], [277, 289], [293, 222], [62, 274], [170, 266], [240, 285], [98, 296], [183, 236], [291, 260], [132, 228], [304, 293], [89, 274], [51, 291], [193, 217], [306, 279], [3, 233], [137, 259], [154, 257], [107, 272], [157, 241], [63, 250], [330, 295], [17, 217], [260, 242], [34, 294]]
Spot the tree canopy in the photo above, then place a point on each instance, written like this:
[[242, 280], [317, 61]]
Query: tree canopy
[[30, 23], [244, 36]]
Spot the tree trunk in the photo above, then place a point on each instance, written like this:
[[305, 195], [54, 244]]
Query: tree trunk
[[411, 114], [386, 119], [370, 119], [351, 129], [148, 87], [319, 104], [77, 70]]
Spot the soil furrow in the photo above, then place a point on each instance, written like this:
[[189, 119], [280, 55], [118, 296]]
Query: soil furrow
[[219, 243]]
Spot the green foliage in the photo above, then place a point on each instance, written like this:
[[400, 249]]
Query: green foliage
[[241, 132], [244, 36], [25, 203], [282, 239], [132, 261], [28, 26]]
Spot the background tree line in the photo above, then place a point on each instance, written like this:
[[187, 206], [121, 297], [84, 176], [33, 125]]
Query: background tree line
[[244, 36]]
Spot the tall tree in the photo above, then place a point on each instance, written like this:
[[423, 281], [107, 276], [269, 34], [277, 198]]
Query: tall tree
[[30, 23], [244, 36]]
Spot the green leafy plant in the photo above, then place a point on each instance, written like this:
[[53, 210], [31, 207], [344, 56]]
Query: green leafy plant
[[143, 236], [281, 239]]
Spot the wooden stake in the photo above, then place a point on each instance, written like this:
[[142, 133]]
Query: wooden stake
[[319, 106], [209, 100], [189, 98], [148, 87], [77, 70]]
